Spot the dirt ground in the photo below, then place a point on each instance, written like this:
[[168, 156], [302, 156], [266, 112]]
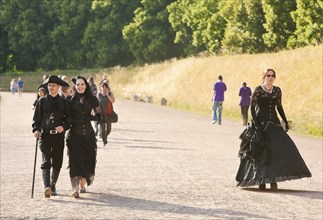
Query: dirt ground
[[160, 163]]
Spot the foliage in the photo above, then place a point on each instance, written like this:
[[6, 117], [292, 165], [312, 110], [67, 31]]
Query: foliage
[[309, 23], [244, 30], [279, 24], [197, 24], [103, 41], [150, 36], [76, 34]]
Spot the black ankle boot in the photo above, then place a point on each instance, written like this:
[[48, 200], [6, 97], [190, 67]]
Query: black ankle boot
[[273, 186], [55, 175], [262, 186]]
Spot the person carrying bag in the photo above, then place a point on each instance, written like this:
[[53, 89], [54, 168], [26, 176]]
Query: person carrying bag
[[106, 100]]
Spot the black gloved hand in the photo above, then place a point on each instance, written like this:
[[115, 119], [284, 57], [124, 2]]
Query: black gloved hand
[[286, 126], [96, 117]]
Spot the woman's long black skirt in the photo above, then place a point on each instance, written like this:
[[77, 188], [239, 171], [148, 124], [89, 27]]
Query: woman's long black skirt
[[82, 152], [279, 160]]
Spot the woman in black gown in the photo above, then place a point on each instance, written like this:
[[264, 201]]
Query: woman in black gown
[[278, 158], [81, 141]]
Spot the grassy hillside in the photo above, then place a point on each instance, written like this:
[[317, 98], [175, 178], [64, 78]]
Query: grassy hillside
[[187, 83]]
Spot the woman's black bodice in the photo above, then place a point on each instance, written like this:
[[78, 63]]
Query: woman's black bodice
[[81, 112], [266, 104]]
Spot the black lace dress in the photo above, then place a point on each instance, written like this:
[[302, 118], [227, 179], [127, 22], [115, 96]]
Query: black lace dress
[[278, 158]]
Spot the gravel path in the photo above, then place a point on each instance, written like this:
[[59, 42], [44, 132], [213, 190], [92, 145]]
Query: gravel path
[[160, 163]]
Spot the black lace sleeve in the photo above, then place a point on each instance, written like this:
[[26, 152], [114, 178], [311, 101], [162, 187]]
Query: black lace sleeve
[[254, 103], [280, 108]]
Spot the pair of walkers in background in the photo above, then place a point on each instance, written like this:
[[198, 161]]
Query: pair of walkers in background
[[17, 86], [219, 88]]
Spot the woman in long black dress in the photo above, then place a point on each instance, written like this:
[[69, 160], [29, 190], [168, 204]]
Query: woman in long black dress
[[81, 141], [278, 158]]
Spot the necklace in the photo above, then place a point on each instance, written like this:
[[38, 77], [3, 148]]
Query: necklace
[[267, 90]]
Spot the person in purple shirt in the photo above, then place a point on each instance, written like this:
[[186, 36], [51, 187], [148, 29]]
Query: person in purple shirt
[[244, 93], [218, 97]]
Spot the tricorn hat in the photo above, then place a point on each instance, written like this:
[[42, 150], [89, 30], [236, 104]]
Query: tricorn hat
[[57, 80]]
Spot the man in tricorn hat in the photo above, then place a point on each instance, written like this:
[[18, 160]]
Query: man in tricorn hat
[[51, 120]]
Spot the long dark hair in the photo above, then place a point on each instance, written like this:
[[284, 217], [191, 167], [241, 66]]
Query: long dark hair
[[88, 95]]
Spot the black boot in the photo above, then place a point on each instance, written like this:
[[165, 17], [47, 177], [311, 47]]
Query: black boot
[[46, 180], [55, 174], [273, 186]]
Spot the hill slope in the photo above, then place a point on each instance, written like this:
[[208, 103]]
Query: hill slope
[[187, 83]]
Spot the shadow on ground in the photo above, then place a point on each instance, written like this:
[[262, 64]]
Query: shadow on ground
[[291, 192], [103, 199]]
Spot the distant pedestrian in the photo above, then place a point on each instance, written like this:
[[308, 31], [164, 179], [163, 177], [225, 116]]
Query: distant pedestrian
[[44, 78], [244, 93], [106, 99], [21, 85], [13, 86], [92, 85], [41, 92], [218, 97], [65, 91]]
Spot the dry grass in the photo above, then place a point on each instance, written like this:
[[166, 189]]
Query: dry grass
[[187, 83]]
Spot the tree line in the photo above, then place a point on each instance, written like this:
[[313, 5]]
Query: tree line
[[75, 34]]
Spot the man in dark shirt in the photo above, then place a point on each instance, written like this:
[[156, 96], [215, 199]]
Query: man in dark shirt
[[219, 89], [51, 120], [244, 93]]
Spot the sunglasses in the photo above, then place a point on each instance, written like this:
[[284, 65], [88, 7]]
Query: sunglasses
[[270, 75]]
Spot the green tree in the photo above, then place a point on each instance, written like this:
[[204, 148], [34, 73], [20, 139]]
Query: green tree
[[23, 30], [103, 41], [244, 30], [150, 36], [70, 21], [197, 24], [279, 23], [309, 23]]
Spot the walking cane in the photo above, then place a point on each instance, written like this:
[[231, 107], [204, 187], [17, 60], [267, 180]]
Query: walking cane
[[32, 186]]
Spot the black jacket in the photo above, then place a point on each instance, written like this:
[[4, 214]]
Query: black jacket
[[51, 112]]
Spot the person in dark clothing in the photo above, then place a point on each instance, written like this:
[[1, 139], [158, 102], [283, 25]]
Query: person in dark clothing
[[81, 141], [277, 157], [51, 120], [244, 93], [106, 98], [41, 92]]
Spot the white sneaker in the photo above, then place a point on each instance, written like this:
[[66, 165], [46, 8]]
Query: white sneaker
[[213, 122]]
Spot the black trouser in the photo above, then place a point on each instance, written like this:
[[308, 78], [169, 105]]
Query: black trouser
[[244, 113], [52, 149], [105, 131]]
